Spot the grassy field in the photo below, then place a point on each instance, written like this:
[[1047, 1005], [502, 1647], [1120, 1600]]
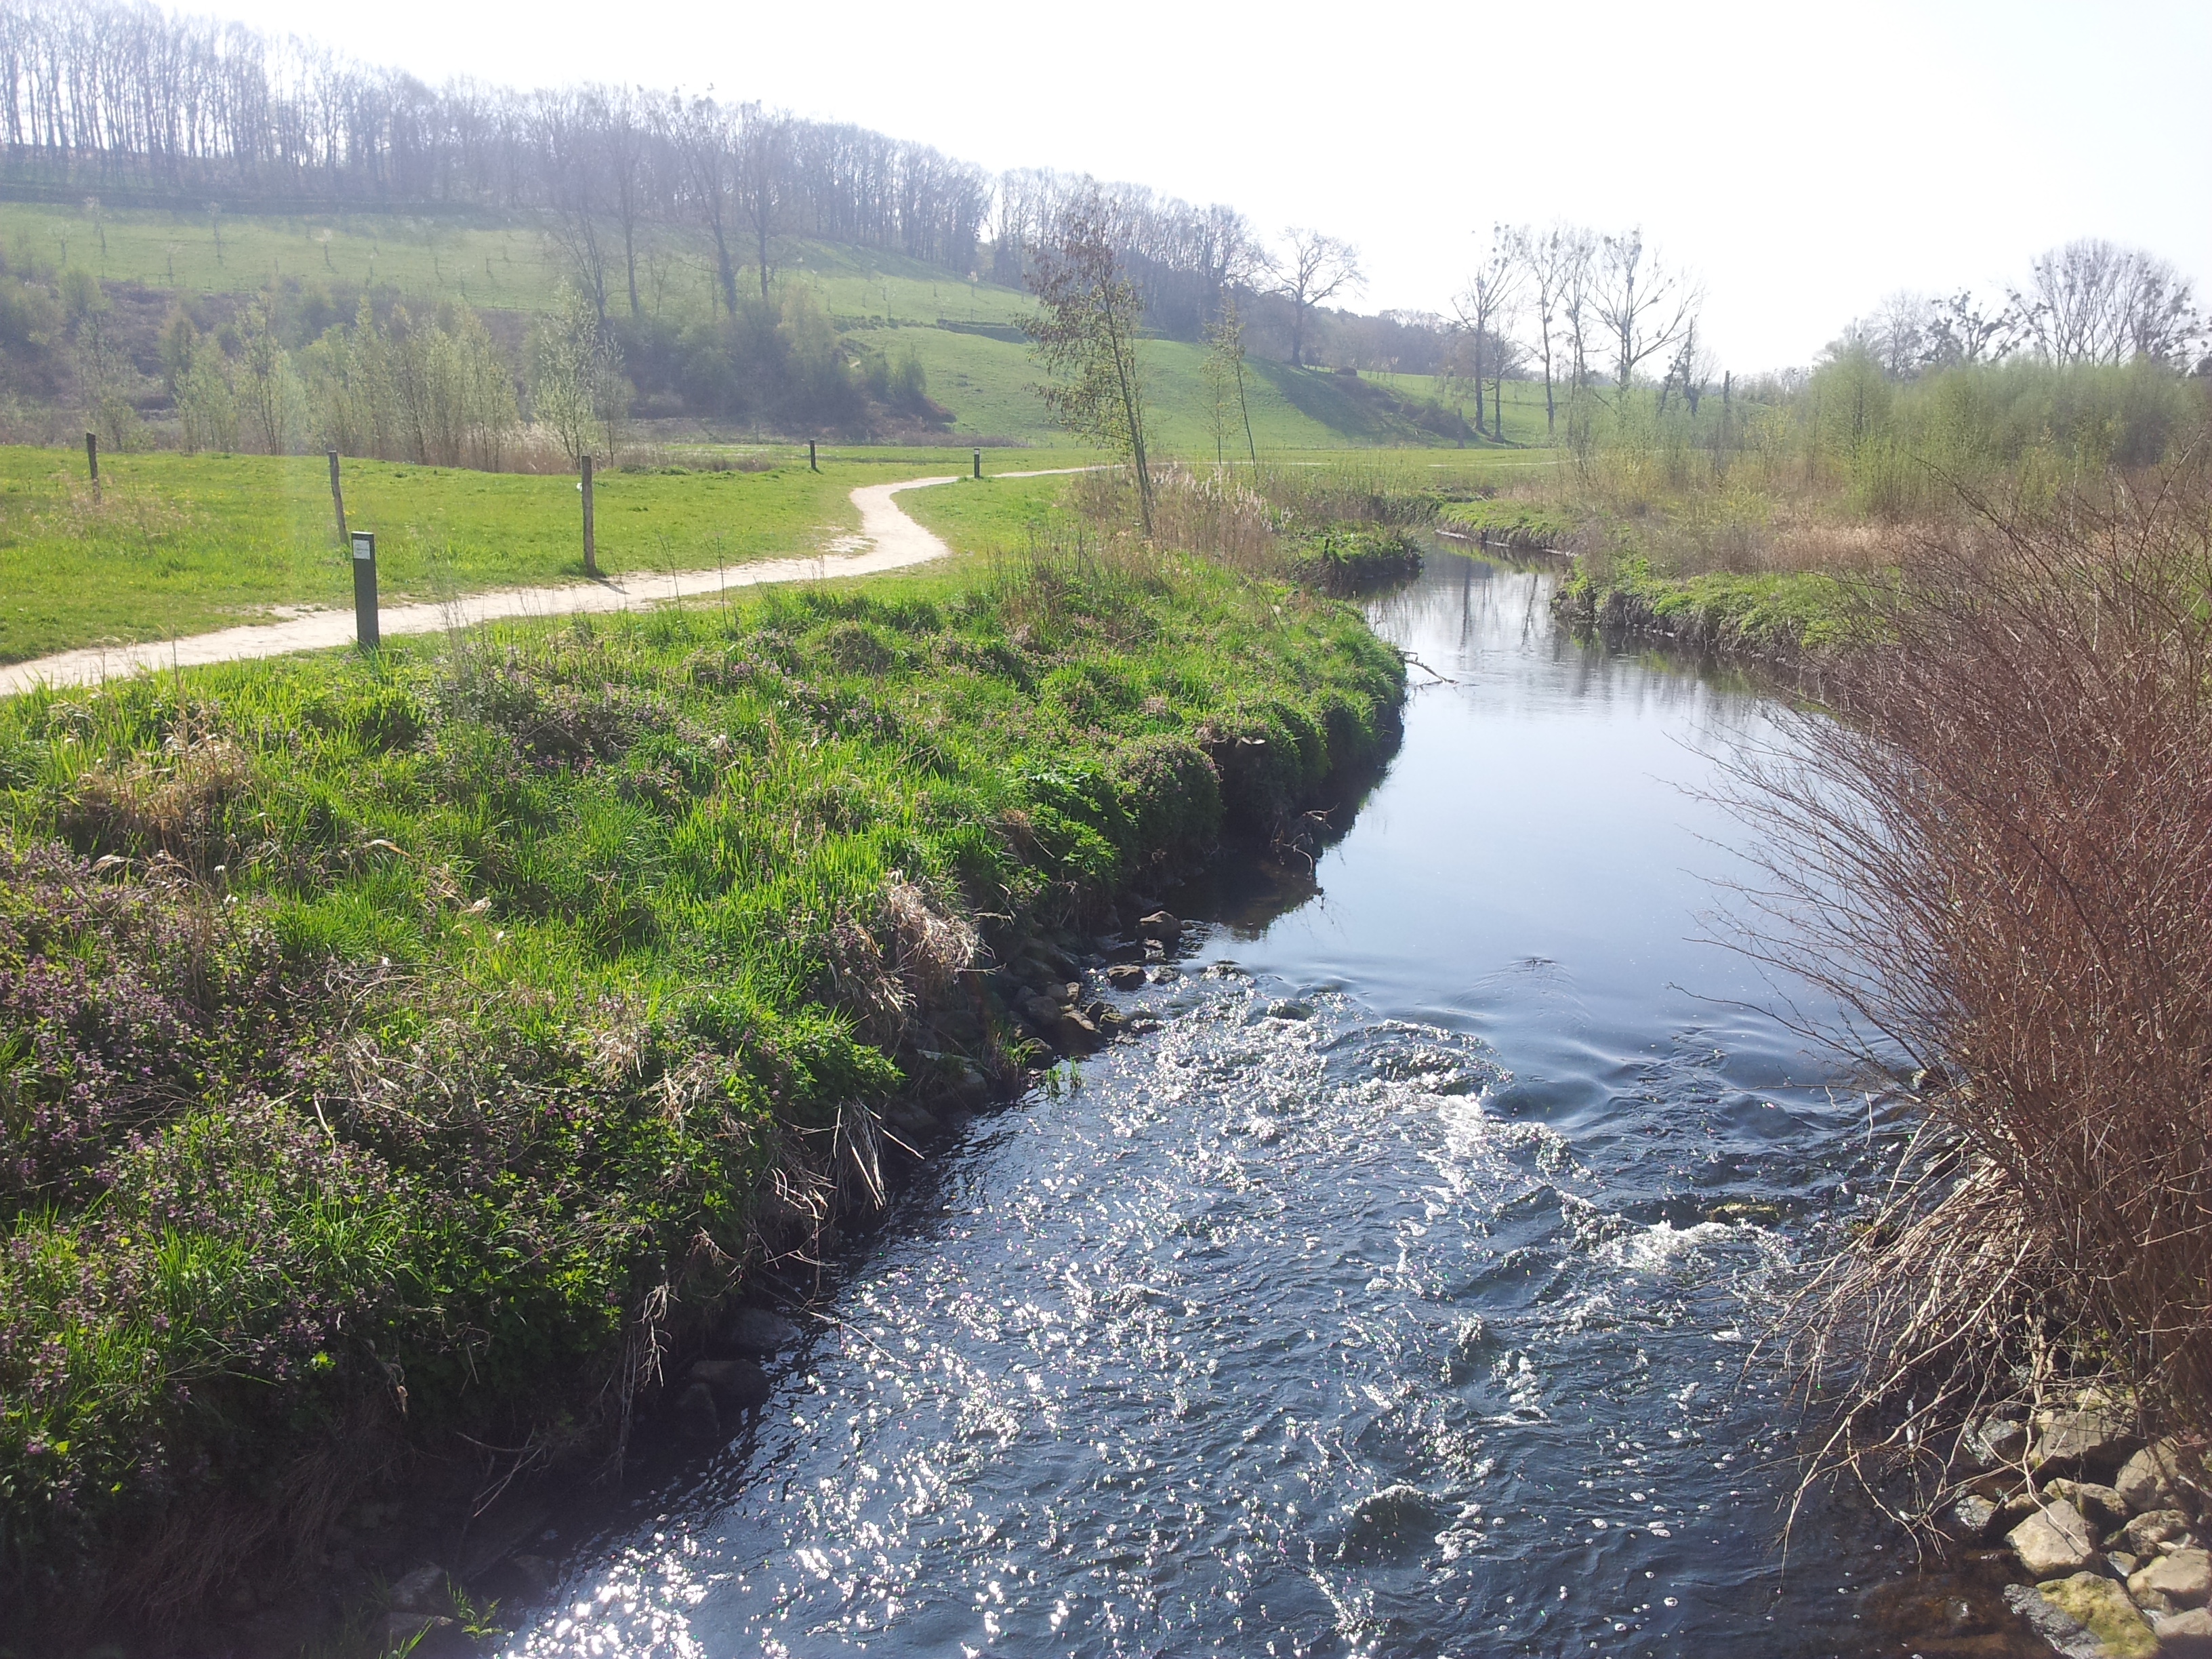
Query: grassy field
[[992, 516], [499, 262], [180, 544], [1524, 404], [991, 387], [454, 1014]]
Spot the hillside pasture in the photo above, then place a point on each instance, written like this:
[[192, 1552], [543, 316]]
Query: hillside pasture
[[878, 300]]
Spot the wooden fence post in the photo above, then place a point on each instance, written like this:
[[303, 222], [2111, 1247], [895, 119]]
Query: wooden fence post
[[338, 498], [92, 460], [591, 547]]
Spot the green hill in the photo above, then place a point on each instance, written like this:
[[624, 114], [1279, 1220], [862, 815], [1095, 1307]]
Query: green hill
[[965, 333]]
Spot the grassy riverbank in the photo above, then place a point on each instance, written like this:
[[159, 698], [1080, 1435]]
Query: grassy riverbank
[[395, 1054], [1776, 615], [1745, 524]]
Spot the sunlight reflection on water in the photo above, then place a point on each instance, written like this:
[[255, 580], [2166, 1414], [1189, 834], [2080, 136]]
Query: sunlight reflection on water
[[1380, 1303]]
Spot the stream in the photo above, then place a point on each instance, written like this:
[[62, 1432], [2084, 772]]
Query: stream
[[1394, 1298]]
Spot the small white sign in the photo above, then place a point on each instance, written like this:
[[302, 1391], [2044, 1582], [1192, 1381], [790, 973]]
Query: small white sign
[[364, 547]]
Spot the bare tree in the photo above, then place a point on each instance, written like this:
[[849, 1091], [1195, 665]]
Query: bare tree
[[1488, 300], [1689, 371], [1578, 306], [763, 164], [626, 143], [2094, 302], [1960, 331], [1083, 336], [703, 135], [1224, 254], [1318, 267], [1550, 259], [1898, 333], [2158, 315], [568, 128], [1643, 304]]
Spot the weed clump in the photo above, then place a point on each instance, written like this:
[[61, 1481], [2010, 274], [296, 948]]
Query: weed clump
[[1354, 558]]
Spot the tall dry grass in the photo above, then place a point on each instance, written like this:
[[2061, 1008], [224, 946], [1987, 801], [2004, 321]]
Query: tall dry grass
[[1254, 522], [1999, 854], [1209, 510]]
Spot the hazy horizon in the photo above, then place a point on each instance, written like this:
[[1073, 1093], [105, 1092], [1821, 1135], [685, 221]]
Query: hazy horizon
[[1802, 167]]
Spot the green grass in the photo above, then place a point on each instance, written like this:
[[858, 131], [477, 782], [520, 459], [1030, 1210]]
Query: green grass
[[1354, 558], [180, 544], [430, 1017], [1773, 613], [160, 249], [990, 386], [1525, 404], [501, 262], [989, 516], [1514, 523]]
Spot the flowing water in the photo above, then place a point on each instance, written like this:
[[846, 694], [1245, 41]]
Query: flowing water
[[1394, 1298]]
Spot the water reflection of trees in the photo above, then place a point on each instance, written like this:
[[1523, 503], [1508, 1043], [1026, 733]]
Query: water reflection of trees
[[1485, 620]]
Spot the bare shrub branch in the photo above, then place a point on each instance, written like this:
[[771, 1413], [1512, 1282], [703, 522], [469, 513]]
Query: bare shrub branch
[[1995, 849]]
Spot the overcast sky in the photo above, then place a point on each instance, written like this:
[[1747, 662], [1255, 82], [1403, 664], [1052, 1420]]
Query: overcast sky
[[1803, 160]]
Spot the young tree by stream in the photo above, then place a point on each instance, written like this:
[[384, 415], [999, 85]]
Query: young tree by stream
[[1225, 378], [1083, 336]]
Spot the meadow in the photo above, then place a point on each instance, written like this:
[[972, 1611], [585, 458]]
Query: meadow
[[990, 385], [177, 545], [499, 262]]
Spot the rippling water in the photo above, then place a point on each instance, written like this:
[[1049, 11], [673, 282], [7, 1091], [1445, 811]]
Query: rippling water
[[1393, 1298]]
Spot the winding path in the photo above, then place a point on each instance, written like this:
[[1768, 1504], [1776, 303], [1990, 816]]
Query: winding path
[[888, 539]]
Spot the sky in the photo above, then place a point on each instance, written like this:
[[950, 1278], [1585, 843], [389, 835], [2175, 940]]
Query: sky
[[1802, 160]]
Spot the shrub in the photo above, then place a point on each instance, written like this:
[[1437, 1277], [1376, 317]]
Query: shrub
[[1999, 853]]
